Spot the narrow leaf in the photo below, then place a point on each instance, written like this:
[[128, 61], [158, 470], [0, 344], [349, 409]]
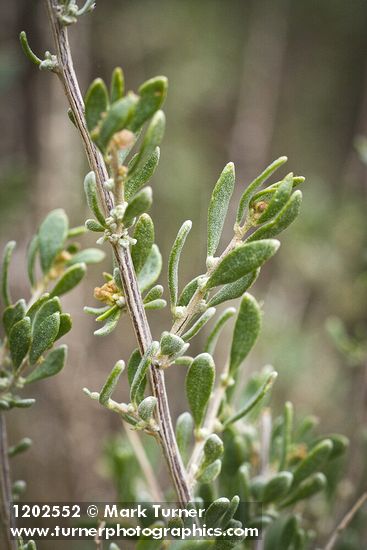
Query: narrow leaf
[[96, 103], [110, 325], [245, 332], [277, 487], [232, 291], [93, 225], [116, 119], [111, 382], [132, 367], [218, 207], [53, 364], [255, 184], [152, 139], [7, 254], [20, 340], [151, 270], [31, 313], [188, 292], [142, 370], [199, 385], [138, 205], [52, 235], [155, 304], [174, 260], [46, 309], [147, 407], [117, 85], [286, 434], [280, 198], [242, 260], [152, 94], [285, 217], [184, 433], [21, 447], [87, 256], [211, 472], [44, 336], [199, 324], [312, 463], [216, 511], [144, 235], [90, 189], [213, 449], [66, 325], [214, 335], [153, 294], [259, 396], [13, 314], [31, 259], [141, 176], [309, 487], [71, 277]]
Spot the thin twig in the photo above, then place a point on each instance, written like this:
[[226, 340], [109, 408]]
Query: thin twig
[[145, 465], [345, 522], [122, 255]]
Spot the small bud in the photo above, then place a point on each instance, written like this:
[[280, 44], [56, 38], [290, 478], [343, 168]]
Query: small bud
[[147, 407]]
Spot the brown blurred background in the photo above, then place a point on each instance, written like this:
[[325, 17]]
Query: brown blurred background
[[249, 81]]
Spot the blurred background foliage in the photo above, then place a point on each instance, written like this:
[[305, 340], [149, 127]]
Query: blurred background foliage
[[249, 81]]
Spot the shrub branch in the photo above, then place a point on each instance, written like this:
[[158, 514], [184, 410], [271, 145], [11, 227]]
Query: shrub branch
[[66, 73]]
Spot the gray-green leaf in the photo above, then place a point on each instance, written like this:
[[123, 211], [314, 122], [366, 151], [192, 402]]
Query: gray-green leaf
[[132, 367], [87, 256], [153, 137], [53, 364], [218, 207], [280, 198], [231, 291], [117, 84], [144, 235], [52, 235], [286, 216], [184, 433], [44, 336], [141, 371], [116, 119], [152, 94], [140, 177], [174, 260], [138, 205], [245, 332], [312, 463], [199, 385], [242, 260], [309, 487], [111, 382], [31, 258], [255, 399], [199, 324], [90, 189], [13, 314], [71, 277], [96, 103], [277, 487], [20, 340], [214, 335], [151, 269], [7, 254], [255, 184], [111, 323]]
